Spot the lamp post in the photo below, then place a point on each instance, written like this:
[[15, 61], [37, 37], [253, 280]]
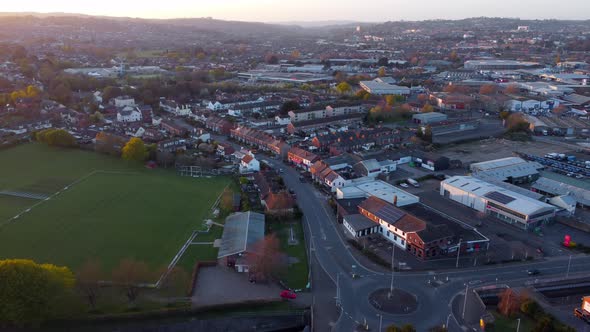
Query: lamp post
[[380, 322], [465, 300], [569, 262], [518, 324], [392, 269], [458, 252]]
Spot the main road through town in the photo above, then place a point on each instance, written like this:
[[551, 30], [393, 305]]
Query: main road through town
[[332, 257]]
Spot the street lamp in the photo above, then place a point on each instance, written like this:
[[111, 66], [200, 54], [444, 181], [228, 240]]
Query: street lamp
[[569, 262], [458, 252], [392, 269], [465, 300], [380, 322], [518, 325]]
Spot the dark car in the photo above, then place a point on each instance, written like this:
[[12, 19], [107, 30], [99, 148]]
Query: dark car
[[533, 272]]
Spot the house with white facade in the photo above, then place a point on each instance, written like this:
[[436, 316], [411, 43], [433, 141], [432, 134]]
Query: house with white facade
[[176, 109], [124, 101], [394, 224], [334, 181], [283, 120], [249, 164], [128, 114]]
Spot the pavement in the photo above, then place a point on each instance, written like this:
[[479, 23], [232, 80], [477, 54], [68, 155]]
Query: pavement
[[331, 254]]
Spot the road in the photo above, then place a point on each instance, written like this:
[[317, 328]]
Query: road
[[331, 254]]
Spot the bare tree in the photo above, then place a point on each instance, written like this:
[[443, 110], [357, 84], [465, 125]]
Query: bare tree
[[88, 279], [130, 275]]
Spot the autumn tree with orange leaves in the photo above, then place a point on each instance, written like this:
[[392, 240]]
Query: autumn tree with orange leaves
[[265, 259]]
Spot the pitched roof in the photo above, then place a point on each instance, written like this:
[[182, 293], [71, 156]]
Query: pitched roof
[[241, 232], [409, 224], [247, 159], [382, 209]]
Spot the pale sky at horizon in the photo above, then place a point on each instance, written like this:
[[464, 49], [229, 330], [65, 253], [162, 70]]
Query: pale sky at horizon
[[313, 10]]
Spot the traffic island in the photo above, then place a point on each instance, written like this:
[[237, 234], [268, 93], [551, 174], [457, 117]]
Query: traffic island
[[398, 302]]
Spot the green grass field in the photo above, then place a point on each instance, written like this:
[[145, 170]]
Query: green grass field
[[504, 323], [298, 273], [131, 212]]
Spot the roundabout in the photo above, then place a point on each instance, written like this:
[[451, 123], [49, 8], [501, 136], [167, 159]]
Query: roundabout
[[398, 302]]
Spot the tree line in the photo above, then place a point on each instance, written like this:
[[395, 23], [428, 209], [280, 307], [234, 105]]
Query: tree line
[[31, 293]]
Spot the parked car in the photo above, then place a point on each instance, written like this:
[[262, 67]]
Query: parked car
[[404, 185], [288, 295], [533, 272]]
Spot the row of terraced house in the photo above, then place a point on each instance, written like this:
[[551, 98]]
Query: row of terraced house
[[260, 140]]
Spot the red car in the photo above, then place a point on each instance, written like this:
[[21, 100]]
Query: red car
[[287, 294]]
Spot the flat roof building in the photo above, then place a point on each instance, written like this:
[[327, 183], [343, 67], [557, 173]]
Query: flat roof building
[[377, 188], [381, 88], [511, 207], [489, 64]]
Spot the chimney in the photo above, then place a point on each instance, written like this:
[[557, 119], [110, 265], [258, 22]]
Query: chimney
[[395, 200]]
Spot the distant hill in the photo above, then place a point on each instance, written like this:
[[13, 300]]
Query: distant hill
[[319, 24], [204, 24]]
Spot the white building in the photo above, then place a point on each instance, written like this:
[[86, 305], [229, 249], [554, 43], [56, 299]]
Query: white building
[[372, 168], [380, 88], [283, 120], [128, 114], [249, 164], [174, 108], [366, 187], [124, 101], [531, 105], [506, 205], [334, 181]]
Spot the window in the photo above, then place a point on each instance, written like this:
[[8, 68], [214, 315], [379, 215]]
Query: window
[[403, 242], [395, 237], [387, 233]]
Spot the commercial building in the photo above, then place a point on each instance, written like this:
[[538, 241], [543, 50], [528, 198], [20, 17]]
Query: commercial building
[[554, 188], [511, 207], [405, 230], [493, 64], [380, 88], [367, 187], [512, 170], [428, 118]]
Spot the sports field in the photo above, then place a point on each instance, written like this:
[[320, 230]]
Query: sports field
[[115, 210]]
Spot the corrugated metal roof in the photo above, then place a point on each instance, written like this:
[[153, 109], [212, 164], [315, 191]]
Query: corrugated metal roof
[[241, 231]]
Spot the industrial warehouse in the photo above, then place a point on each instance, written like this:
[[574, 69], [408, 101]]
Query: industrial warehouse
[[511, 207]]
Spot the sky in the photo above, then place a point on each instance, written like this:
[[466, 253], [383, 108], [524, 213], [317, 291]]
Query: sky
[[312, 10]]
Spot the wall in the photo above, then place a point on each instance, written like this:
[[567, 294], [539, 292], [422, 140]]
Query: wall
[[473, 201]]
